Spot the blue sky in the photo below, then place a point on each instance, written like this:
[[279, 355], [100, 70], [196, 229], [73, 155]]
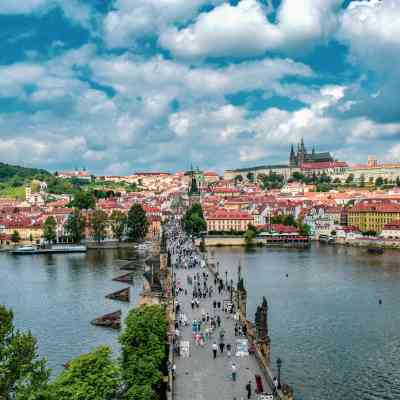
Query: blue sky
[[126, 85]]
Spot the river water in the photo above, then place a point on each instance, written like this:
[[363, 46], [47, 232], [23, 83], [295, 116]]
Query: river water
[[335, 339], [56, 297]]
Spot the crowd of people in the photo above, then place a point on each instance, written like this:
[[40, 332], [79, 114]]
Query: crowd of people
[[209, 306]]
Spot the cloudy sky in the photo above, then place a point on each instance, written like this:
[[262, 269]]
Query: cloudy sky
[[126, 85]]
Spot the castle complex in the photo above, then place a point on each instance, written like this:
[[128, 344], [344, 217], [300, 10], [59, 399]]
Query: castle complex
[[297, 159]]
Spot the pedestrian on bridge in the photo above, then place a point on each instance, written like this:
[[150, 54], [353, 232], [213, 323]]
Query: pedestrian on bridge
[[214, 350], [248, 388]]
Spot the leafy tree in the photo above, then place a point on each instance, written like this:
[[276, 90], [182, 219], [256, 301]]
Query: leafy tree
[[84, 200], [362, 180], [118, 224], [337, 181], [193, 220], [250, 176], [98, 224], [304, 229], [144, 352], [92, 376], [398, 181], [271, 181], [238, 178], [23, 376], [15, 237], [30, 237], [49, 229], [249, 236], [379, 181], [75, 226], [137, 224], [350, 179]]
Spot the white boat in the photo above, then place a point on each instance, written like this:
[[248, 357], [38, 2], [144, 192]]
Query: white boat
[[54, 249]]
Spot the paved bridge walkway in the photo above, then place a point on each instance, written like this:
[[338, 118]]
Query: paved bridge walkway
[[199, 376]]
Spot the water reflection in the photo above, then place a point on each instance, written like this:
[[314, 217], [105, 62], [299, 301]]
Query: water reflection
[[325, 318]]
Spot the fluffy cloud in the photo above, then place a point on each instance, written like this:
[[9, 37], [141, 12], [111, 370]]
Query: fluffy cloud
[[72, 9], [133, 19], [245, 30], [371, 30]]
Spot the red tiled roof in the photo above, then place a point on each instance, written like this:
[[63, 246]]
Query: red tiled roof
[[383, 208], [229, 215]]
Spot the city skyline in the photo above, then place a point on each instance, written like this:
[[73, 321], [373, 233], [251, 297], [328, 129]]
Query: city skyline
[[156, 85]]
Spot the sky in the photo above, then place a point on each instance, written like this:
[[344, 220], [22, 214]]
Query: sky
[[129, 85]]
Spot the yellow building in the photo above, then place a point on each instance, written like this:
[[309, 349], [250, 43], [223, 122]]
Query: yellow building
[[372, 217], [226, 221]]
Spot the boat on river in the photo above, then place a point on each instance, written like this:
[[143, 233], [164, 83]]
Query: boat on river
[[376, 250], [54, 249]]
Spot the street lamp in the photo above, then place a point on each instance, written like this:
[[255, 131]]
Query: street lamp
[[279, 365], [231, 290], [217, 268], [226, 279]]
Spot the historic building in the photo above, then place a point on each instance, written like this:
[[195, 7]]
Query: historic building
[[302, 156]]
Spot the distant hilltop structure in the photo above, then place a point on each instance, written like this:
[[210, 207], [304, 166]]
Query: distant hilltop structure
[[302, 156], [301, 160]]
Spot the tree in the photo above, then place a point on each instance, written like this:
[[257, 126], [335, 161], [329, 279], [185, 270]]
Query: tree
[[118, 224], [350, 179], [22, 374], [304, 229], [15, 237], [362, 180], [193, 220], [238, 178], [137, 224], [84, 200], [337, 181], [398, 181], [379, 181], [91, 376], [98, 224], [249, 236], [143, 352], [49, 229], [250, 176], [75, 226]]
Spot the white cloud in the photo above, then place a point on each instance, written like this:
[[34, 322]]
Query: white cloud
[[72, 9], [244, 30], [132, 19]]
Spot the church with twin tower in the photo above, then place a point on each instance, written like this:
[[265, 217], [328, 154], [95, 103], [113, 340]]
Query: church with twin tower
[[302, 156]]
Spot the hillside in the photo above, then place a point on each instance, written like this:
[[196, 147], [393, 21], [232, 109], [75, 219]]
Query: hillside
[[13, 179]]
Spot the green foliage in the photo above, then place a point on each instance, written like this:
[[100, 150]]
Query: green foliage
[[379, 181], [271, 181], [144, 352], [238, 178], [98, 224], [75, 226], [23, 376], [304, 229], [84, 200], [287, 220], [249, 236], [350, 179], [15, 237], [193, 221], [250, 176], [118, 224], [137, 224], [16, 175], [93, 376], [49, 229]]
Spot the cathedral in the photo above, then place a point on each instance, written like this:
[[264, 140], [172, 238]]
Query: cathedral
[[302, 156]]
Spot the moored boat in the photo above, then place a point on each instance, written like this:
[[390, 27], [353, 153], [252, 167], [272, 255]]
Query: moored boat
[[376, 250], [54, 249]]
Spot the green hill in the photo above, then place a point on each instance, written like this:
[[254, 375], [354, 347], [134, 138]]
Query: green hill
[[13, 179]]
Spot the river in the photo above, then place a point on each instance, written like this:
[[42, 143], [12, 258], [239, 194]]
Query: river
[[56, 297], [335, 339]]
